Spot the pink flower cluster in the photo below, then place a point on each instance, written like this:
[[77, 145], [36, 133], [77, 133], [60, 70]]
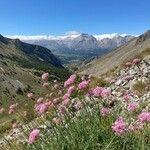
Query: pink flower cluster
[[45, 76], [132, 106], [62, 109], [136, 126], [70, 81], [41, 106], [30, 95], [136, 61], [12, 108], [82, 85], [34, 135], [119, 127], [97, 91], [78, 105], [128, 77], [104, 111], [101, 92], [144, 117], [126, 97], [69, 92]]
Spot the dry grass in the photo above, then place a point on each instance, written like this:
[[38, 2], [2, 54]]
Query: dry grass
[[140, 86]]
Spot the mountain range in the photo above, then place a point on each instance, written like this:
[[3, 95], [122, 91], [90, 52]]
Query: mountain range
[[116, 57], [80, 47]]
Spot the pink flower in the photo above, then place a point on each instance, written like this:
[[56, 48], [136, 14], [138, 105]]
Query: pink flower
[[144, 117], [132, 106], [41, 108], [56, 101], [104, 111], [73, 76], [83, 85], [45, 76], [113, 81], [66, 102], [45, 84], [66, 96], [126, 97], [70, 90], [136, 126], [105, 92], [97, 91], [13, 106], [128, 77], [128, 64], [30, 95], [11, 111], [2, 110], [70, 81], [15, 125], [49, 104], [62, 109], [119, 127], [34, 135], [101, 92], [78, 105], [136, 61]]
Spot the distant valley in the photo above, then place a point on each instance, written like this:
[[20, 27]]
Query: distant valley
[[79, 47]]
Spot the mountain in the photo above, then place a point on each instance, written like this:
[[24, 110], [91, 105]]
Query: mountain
[[114, 42], [103, 64], [82, 46], [22, 63]]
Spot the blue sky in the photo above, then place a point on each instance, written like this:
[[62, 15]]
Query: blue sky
[[35, 17]]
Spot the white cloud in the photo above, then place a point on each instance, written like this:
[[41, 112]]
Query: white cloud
[[110, 36], [68, 35]]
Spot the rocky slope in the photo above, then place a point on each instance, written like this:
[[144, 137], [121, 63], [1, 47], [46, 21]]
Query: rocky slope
[[113, 59], [21, 64], [131, 84]]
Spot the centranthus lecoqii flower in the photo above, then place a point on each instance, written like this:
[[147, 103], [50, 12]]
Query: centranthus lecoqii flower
[[144, 117], [119, 127], [34, 135]]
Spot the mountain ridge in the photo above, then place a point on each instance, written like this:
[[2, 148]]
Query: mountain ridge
[[81, 46], [102, 65], [21, 64]]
